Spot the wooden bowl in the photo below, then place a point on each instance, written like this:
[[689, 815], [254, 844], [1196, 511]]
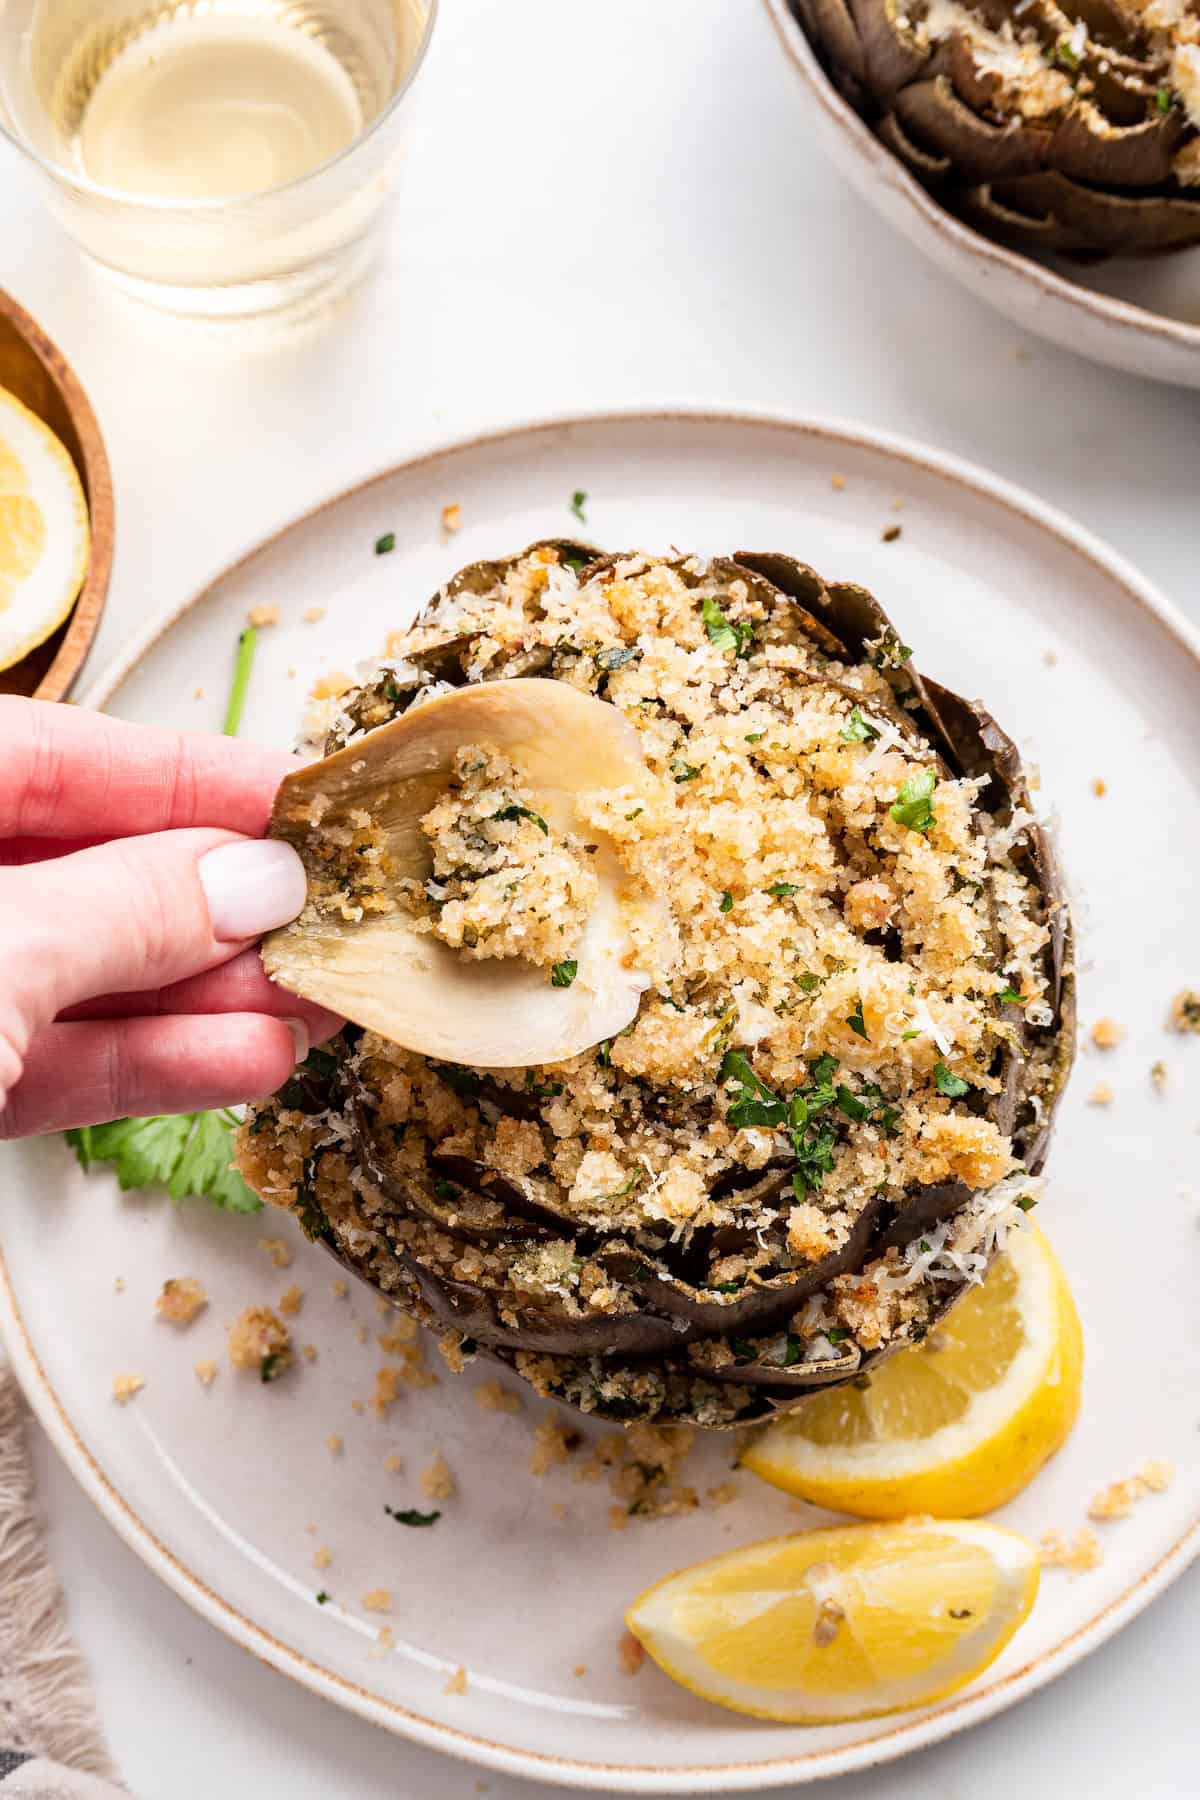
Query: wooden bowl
[[38, 373]]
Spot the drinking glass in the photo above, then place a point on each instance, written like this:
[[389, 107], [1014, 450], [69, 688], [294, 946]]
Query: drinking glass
[[215, 157]]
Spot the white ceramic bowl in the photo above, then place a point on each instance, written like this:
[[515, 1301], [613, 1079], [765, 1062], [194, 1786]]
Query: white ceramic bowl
[[1137, 314]]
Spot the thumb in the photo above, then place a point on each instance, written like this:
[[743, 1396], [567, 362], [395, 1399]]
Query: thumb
[[137, 914]]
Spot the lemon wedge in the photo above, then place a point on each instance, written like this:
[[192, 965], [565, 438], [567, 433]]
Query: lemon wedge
[[841, 1624], [957, 1426], [44, 532]]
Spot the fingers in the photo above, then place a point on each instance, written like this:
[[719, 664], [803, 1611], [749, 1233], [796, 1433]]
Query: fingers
[[66, 771], [86, 1074], [136, 915], [238, 986]]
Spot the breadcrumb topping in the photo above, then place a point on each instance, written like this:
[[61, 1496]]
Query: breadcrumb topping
[[180, 1300], [124, 1387], [260, 1340]]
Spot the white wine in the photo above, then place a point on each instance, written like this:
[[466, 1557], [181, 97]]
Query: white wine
[[214, 107]]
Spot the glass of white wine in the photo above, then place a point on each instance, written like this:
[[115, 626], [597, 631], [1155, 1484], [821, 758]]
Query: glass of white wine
[[215, 157]]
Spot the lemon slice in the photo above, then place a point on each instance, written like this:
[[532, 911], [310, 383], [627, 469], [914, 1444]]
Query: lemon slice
[[44, 533], [841, 1624], [956, 1427]]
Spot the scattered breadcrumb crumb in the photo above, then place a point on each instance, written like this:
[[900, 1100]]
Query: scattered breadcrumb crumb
[[1116, 1501], [1107, 1034], [333, 1444], [340, 1289], [198, 694], [553, 1443], [1101, 1095], [897, 504], [385, 1640], [260, 1340], [1099, 787], [387, 1390], [723, 1494], [1050, 658], [1083, 1552], [278, 1250], [437, 1481], [322, 1558], [263, 615], [206, 1371], [451, 519], [393, 1464], [384, 1308], [181, 1299], [642, 1466], [356, 1406], [291, 1301], [362, 1334], [837, 483], [332, 686], [580, 1670], [1157, 1475], [1185, 1011], [618, 1518], [630, 1653], [378, 1600], [313, 614], [891, 533], [119, 1285], [309, 1352], [457, 1684], [493, 1396], [559, 1511], [124, 1387], [1158, 1074]]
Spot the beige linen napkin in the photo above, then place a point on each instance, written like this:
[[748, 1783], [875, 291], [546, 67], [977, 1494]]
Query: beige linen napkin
[[51, 1743]]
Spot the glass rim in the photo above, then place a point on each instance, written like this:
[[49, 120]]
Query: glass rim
[[95, 190]]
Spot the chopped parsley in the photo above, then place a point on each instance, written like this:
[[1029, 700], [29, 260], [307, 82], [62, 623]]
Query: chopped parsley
[[726, 1287], [272, 1366], [523, 812], [887, 652], [616, 659], [810, 982], [913, 806], [1163, 100], [563, 974], [189, 1153], [410, 1516], [755, 737], [781, 890], [857, 1023], [857, 729], [837, 1333], [1026, 1202], [635, 814], [578, 502], [869, 1105], [754, 1104], [948, 1083], [906, 1037], [1066, 54], [723, 632], [604, 1054], [684, 771], [463, 1082], [322, 1597], [1010, 997], [386, 544], [726, 903]]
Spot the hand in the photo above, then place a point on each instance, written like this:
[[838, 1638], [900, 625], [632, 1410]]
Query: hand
[[134, 881]]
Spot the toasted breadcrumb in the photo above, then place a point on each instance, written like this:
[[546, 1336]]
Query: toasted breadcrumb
[[259, 1339], [333, 685], [1116, 1501], [723, 1494], [385, 1640], [393, 1464], [291, 1301], [580, 1670], [309, 1352], [313, 614], [263, 615], [1077, 1556], [181, 1299], [362, 1334], [124, 1387], [378, 1600], [119, 1285], [387, 1390], [493, 1396], [451, 519], [1156, 1475], [559, 1511], [837, 483], [553, 1443], [334, 1444], [278, 1250], [322, 1558], [437, 1481], [630, 1654], [340, 1289], [1185, 1011], [205, 1371], [457, 1684], [198, 693], [1158, 1075], [1101, 1095], [1107, 1034], [1099, 787], [356, 1406]]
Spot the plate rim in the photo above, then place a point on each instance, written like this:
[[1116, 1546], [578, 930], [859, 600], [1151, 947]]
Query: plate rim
[[899, 1734], [1123, 315]]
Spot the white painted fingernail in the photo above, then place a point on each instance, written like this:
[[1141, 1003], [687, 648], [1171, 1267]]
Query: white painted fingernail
[[299, 1031], [251, 887]]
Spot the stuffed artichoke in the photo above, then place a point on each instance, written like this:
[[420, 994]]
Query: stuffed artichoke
[[840, 1081], [1073, 127]]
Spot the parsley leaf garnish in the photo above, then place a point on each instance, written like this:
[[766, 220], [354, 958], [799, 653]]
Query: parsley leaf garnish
[[857, 1023], [752, 1102], [810, 982], [684, 771], [913, 806], [385, 544], [189, 1153], [1010, 997], [272, 1365], [578, 502], [563, 974], [857, 729], [948, 1083], [755, 737], [723, 632], [410, 1516], [523, 812], [726, 904], [836, 1333], [1163, 100], [322, 1597], [780, 890]]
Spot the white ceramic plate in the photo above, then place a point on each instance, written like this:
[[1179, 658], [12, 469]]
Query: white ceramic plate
[[217, 1489], [1136, 313]]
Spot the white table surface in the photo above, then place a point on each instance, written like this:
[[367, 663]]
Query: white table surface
[[607, 205]]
